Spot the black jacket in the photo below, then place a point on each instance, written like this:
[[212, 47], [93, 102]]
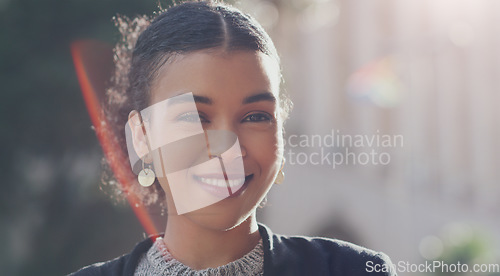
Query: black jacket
[[282, 256]]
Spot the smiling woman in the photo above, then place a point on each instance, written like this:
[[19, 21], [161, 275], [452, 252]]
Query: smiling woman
[[199, 110]]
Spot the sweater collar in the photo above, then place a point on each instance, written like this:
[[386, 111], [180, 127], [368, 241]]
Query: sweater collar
[[142, 247]]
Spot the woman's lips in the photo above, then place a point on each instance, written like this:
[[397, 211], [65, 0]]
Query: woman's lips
[[217, 185]]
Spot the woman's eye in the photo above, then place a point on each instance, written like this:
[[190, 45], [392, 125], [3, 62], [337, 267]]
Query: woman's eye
[[257, 117], [191, 117]]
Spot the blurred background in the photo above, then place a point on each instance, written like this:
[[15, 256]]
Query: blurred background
[[424, 70]]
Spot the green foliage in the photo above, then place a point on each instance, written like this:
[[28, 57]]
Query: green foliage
[[471, 247]]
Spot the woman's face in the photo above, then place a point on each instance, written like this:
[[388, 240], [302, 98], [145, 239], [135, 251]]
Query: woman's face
[[236, 92]]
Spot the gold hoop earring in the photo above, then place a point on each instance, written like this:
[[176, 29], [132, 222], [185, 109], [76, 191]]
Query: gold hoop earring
[[263, 202], [146, 176], [281, 175]]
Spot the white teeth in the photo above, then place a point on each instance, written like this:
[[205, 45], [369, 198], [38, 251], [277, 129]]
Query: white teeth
[[236, 182], [221, 182]]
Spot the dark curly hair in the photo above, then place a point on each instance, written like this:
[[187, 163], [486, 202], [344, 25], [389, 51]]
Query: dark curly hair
[[148, 43]]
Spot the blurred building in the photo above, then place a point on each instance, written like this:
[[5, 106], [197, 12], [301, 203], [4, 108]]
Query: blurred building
[[425, 70]]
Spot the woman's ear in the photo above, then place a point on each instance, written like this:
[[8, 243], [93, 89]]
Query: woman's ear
[[139, 137]]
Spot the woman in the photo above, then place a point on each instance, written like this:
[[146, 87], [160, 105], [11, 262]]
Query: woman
[[203, 114]]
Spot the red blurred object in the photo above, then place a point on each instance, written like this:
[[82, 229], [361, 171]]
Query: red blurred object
[[94, 66]]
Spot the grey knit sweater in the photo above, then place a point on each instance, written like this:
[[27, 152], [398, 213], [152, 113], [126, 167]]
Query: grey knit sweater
[[289, 256], [158, 261]]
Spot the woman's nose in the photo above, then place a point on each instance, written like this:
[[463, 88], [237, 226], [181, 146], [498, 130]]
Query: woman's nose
[[243, 149], [225, 146], [223, 143]]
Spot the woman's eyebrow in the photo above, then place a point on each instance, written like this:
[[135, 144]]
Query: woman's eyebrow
[[264, 96], [202, 99], [188, 98]]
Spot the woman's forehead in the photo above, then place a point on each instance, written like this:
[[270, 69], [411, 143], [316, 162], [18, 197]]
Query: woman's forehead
[[217, 73]]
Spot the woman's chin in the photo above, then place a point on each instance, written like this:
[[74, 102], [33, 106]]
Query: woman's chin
[[216, 219]]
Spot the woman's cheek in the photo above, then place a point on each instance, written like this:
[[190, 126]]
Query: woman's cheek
[[264, 146]]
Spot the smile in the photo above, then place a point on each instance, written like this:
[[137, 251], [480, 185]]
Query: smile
[[218, 186], [221, 182]]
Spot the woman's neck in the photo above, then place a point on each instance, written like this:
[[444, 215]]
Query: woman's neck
[[201, 247]]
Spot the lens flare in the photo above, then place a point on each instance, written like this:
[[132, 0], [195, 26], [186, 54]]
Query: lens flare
[[93, 64], [377, 82]]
